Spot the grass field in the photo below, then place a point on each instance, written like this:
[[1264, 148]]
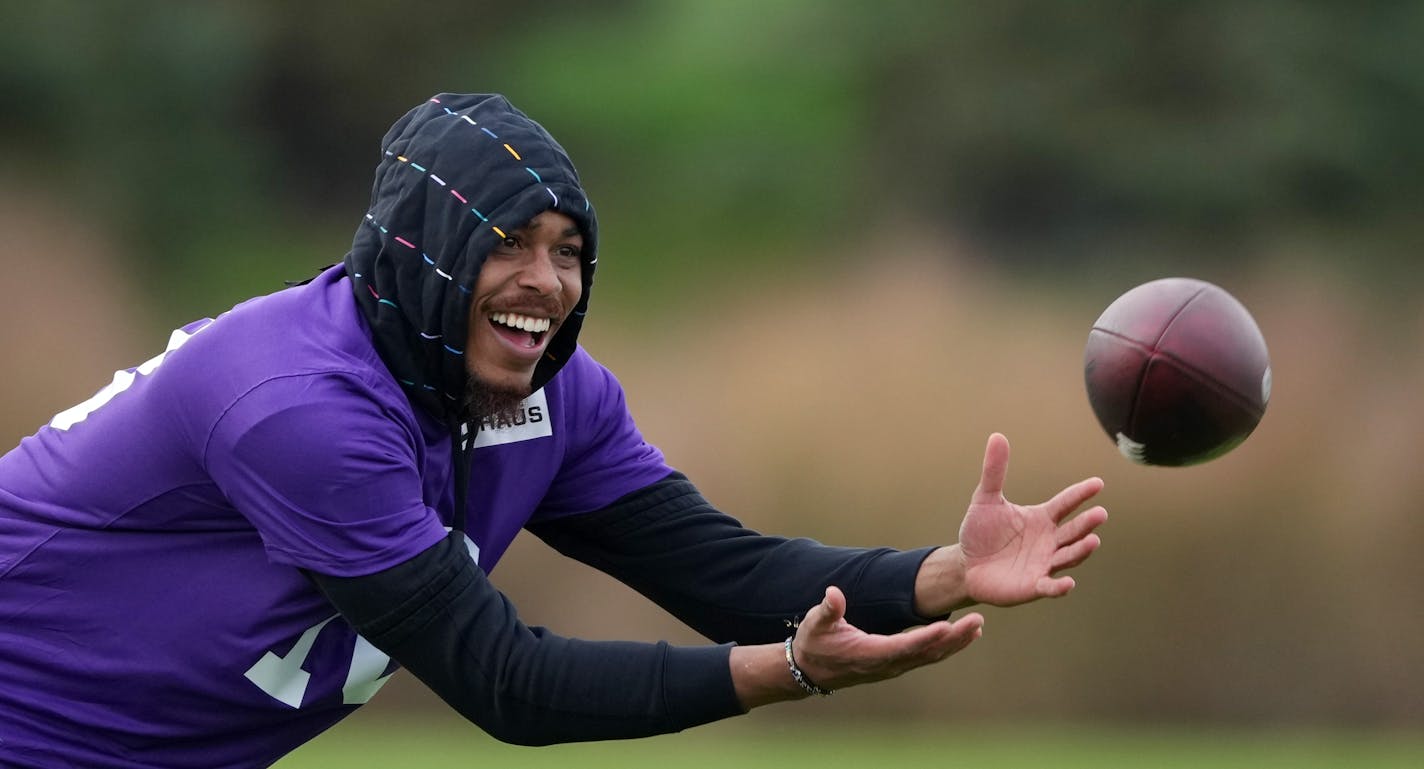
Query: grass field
[[781, 745]]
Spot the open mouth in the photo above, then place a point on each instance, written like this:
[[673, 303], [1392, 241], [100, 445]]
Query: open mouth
[[524, 331]]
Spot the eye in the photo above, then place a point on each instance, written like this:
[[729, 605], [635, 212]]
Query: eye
[[568, 255], [509, 246]]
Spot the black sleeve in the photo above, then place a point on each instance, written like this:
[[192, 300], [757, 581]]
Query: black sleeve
[[439, 617], [728, 582]]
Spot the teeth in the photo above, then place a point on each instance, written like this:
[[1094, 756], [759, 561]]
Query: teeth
[[521, 322]]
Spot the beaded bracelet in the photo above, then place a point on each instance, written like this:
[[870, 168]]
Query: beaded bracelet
[[801, 679]]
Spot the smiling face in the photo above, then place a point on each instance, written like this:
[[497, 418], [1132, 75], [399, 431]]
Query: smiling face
[[528, 285]]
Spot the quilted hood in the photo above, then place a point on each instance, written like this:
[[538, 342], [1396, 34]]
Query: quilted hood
[[456, 174]]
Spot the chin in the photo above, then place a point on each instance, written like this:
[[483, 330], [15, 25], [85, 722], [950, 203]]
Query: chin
[[490, 396], [502, 379]]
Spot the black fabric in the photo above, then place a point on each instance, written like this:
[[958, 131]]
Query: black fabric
[[726, 581], [454, 173], [461, 442], [439, 617]]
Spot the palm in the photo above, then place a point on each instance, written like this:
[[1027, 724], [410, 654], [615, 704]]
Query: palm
[[1007, 550], [1012, 553]]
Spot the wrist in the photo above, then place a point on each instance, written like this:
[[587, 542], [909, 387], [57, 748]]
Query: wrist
[[799, 676], [940, 584], [760, 675]]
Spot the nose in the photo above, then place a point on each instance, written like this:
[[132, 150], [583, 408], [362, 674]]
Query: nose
[[539, 274]]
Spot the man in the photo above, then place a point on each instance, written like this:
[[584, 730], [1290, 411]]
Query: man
[[233, 545]]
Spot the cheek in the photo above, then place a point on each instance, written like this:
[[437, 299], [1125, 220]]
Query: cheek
[[472, 318], [573, 289], [472, 340]]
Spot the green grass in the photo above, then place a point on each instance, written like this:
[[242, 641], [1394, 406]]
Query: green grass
[[778, 745]]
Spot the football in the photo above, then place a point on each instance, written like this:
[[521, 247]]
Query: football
[[1177, 372]]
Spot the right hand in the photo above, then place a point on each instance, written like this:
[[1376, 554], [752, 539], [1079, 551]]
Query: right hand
[[835, 654]]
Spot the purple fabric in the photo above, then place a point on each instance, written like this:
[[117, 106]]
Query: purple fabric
[[151, 611]]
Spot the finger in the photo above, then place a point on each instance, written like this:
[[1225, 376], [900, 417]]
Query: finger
[[1074, 554], [1073, 497], [1054, 587], [881, 657], [995, 469], [828, 612], [1079, 527], [969, 626], [834, 604], [930, 643], [957, 636]]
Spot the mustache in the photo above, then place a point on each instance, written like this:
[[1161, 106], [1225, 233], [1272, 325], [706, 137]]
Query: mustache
[[549, 307]]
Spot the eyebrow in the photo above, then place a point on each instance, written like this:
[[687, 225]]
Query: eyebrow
[[533, 226]]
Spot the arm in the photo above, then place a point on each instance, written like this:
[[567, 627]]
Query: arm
[[726, 581], [438, 616], [730, 583]]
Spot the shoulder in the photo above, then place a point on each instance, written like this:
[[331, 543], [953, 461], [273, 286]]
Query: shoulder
[[583, 378], [585, 395], [308, 327], [581, 363], [302, 353], [606, 456], [307, 332]]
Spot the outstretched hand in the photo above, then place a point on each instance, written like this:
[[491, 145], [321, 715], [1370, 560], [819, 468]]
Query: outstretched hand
[[1007, 554], [835, 654], [1012, 553]]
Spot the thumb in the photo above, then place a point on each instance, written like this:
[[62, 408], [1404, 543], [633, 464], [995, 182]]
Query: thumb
[[828, 612], [996, 467]]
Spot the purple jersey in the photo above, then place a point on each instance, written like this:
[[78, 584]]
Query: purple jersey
[[152, 607]]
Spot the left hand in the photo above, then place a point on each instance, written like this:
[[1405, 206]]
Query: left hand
[[1011, 554]]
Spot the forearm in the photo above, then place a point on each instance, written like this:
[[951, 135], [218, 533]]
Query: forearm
[[726, 581], [441, 619]]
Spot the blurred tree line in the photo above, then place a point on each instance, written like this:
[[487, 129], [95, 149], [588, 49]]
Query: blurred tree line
[[1056, 135]]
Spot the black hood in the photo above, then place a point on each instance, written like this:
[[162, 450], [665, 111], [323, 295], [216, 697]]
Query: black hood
[[455, 173]]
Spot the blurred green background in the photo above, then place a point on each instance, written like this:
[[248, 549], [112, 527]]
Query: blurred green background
[[842, 242]]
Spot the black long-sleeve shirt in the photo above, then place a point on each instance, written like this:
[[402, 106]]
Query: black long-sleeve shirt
[[440, 617]]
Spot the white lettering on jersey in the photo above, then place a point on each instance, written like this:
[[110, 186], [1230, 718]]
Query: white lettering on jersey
[[530, 420]]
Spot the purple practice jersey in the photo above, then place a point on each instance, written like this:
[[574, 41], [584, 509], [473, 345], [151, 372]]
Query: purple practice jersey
[[153, 611]]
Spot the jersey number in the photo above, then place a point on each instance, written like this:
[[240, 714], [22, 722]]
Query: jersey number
[[284, 679]]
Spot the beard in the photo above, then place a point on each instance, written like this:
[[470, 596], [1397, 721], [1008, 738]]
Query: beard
[[489, 403]]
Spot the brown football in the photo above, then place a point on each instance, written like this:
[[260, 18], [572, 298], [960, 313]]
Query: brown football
[[1177, 372]]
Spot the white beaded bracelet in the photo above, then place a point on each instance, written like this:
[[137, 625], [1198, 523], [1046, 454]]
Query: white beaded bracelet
[[801, 679]]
